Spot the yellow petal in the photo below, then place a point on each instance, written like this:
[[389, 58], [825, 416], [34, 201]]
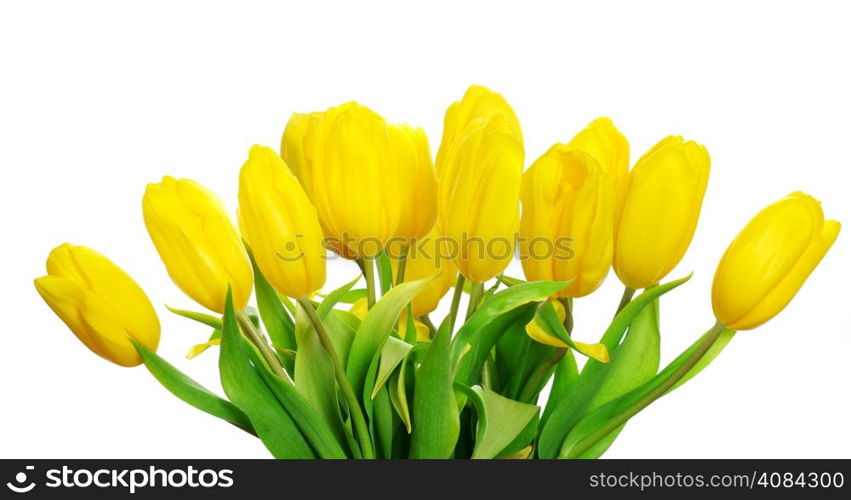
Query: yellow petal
[[197, 242], [768, 262], [280, 225], [200, 348], [660, 211], [568, 215], [540, 334], [99, 303], [356, 187], [478, 201], [359, 308], [428, 256], [418, 192], [594, 351]]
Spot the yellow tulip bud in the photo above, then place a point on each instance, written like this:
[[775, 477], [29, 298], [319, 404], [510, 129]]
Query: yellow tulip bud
[[478, 103], [197, 242], [768, 262], [608, 145], [478, 198], [428, 256], [298, 145], [280, 225], [100, 303], [566, 227], [660, 211], [419, 181], [356, 187]]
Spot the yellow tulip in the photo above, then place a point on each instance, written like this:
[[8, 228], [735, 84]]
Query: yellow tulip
[[100, 303], [197, 242], [660, 211], [478, 103], [280, 225], [566, 227], [419, 181], [428, 256], [478, 198], [360, 308], [768, 262], [356, 185], [298, 145], [608, 145]]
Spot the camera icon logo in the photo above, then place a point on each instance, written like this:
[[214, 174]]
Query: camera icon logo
[[20, 478]]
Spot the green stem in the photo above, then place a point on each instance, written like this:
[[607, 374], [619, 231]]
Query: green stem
[[456, 301], [538, 377], [403, 264], [340, 374], [567, 302], [369, 276], [625, 298], [476, 292], [426, 320], [664, 384], [258, 340]]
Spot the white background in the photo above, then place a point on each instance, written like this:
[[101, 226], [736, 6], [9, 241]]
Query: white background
[[98, 99]]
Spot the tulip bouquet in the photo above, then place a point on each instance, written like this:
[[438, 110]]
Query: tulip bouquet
[[367, 372]]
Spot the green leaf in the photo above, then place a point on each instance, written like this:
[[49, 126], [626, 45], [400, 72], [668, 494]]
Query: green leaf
[[565, 374], [399, 382], [341, 327], [547, 319], [385, 272], [636, 360], [711, 354], [248, 391], [351, 321], [472, 361], [314, 376], [205, 319], [351, 296], [287, 303], [622, 408], [622, 320], [410, 327], [491, 309], [508, 280], [276, 320], [491, 291], [435, 424], [376, 328], [383, 421], [518, 356], [333, 298], [392, 353], [560, 415], [512, 352], [500, 421], [312, 426], [190, 391], [398, 397], [523, 440]]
